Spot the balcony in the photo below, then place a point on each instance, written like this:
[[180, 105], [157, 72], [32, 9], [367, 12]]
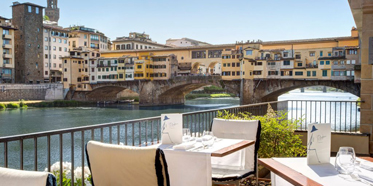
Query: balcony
[[312, 66], [7, 36], [7, 46], [7, 55], [338, 67]]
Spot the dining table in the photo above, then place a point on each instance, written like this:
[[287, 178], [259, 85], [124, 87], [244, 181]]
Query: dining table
[[191, 163], [296, 171]]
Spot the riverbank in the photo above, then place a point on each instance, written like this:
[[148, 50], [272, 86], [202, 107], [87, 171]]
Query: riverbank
[[195, 96]]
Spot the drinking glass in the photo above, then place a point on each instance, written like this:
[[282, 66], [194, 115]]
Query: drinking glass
[[186, 135], [207, 139], [345, 160]]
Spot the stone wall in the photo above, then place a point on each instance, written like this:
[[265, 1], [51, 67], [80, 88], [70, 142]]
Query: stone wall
[[15, 92]]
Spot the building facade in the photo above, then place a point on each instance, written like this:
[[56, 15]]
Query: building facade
[[135, 41], [55, 46], [7, 62], [79, 69], [28, 20], [81, 36]]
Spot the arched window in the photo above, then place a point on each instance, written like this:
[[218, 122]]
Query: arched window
[[123, 47], [128, 46]]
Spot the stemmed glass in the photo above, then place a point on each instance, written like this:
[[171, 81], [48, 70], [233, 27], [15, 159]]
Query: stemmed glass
[[186, 135], [345, 160], [207, 139]]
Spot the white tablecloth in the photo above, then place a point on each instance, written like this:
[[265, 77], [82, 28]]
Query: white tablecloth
[[324, 174], [188, 167]]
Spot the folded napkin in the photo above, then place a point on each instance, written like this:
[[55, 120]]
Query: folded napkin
[[185, 146], [366, 165], [366, 177]]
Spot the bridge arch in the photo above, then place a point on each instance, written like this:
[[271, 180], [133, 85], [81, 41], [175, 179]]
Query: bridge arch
[[268, 90]]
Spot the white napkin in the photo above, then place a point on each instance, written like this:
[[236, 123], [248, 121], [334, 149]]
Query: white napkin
[[185, 146], [366, 177], [366, 165]]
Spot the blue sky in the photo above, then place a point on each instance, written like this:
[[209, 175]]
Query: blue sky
[[213, 21]]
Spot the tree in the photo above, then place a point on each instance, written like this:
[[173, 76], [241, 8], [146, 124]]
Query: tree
[[46, 18]]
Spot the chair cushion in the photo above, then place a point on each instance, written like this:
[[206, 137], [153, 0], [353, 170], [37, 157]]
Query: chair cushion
[[21, 177], [123, 165]]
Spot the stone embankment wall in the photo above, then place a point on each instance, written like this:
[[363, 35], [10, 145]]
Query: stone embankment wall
[[15, 92]]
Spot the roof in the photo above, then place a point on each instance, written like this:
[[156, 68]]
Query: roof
[[137, 40], [185, 38], [309, 40], [55, 27], [26, 3], [176, 48], [4, 18]]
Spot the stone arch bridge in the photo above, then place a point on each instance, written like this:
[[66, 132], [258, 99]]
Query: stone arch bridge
[[159, 92], [173, 91]]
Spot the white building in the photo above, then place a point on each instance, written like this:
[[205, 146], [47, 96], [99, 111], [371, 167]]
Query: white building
[[184, 42], [55, 46], [107, 70]]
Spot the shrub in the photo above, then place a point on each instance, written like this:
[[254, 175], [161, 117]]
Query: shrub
[[12, 105], [2, 106], [277, 138], [22, 103]]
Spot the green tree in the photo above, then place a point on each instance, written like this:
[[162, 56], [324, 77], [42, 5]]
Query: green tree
[[46, 18]]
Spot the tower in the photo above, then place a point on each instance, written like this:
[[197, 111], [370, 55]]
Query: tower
[[52, 11], [28, 19]]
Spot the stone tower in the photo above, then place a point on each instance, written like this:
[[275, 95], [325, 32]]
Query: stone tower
[[52, 11], [28, 20]]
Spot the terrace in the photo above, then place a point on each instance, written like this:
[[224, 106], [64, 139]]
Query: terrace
[[38, 151]]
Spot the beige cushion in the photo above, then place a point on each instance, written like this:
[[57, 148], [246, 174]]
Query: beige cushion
[[122, 165], [21, 177]]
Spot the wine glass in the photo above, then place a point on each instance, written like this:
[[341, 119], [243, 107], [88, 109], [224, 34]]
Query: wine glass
[[345, 160], [186, 135]]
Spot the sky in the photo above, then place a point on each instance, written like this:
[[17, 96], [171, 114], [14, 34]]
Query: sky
[[212, 21]]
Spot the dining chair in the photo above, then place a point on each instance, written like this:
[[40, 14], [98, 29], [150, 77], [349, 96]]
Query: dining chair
[[236, 166], [126, 165], [21, 177]]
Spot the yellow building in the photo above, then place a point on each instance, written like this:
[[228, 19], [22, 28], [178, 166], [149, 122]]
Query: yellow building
[[90, 38], [7, 62]]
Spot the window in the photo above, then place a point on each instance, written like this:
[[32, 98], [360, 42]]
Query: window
[[54, 48], [329, 54], [46, 72], [60, 40], [335, 62], [215, 53], [65, 69], [286, 62], [308, 73], [54, 39], [312, 53], [249, 52], [313, 73], [37, 10], [348, 73], [321, 62], [325, 73], [29, 9], [65, 49], [321, 53], [54, 56], [60, 48], [327, 63], [93, 78], [298, 73], [233, 73], [46, 56], [46, 39], [224, 64], [46, 47], [300, 64], [353, 62], [286, 54], [233, 64], [342, 62], [198, 54]]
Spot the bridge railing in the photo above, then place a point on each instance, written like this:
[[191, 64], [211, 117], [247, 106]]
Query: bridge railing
[[38, 151]]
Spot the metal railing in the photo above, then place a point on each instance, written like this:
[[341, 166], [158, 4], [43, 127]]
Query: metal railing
[[38, 151], [342, 115]]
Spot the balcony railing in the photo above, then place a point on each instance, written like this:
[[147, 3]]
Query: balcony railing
[[38, 151]]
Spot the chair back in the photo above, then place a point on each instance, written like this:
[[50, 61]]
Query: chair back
[[126, 165], [240, 129], [22, 177]]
